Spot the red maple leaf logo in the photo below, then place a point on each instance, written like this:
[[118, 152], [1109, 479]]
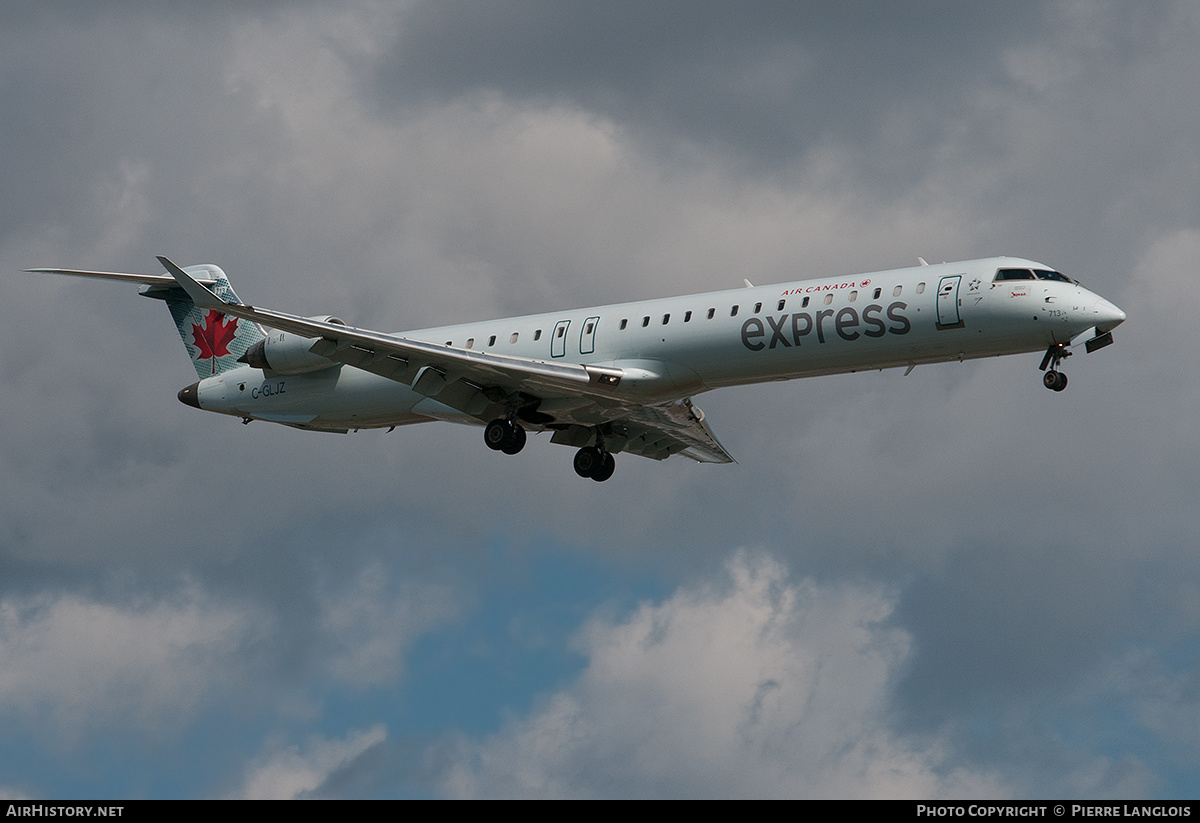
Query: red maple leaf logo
[[214, 337]]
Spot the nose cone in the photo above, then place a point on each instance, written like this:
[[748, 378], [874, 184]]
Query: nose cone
[[1107, 316], [190, 395]]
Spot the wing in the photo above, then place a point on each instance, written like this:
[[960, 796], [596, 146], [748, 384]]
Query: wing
[[574, 399]]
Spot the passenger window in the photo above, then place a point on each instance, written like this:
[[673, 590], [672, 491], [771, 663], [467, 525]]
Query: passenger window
[[804, 303], [896, 291], [537, 335], [781, 304], [853, 296], [586, 329], [492, 340], [645, 321], [562, 330], [687, 317], [666, 319], [513, 339], [878, 292], [733, 311], [624, 323], [470, 342], [828, 298], [920, 288], [757, 308], [711, 312]]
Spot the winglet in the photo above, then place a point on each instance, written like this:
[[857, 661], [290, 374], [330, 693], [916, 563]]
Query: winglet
[[201, 296]]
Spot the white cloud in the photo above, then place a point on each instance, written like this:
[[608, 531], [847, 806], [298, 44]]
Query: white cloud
[[369, 627], [91, 663], [292, 772], [761, 687]]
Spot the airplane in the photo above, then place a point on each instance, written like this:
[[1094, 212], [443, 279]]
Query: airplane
[[619, 378]]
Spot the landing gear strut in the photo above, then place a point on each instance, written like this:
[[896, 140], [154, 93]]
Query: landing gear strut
[[504, 436], [1054, 379], [594, 463]]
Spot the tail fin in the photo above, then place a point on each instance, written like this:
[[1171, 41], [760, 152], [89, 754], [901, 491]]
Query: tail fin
[[214, 340]]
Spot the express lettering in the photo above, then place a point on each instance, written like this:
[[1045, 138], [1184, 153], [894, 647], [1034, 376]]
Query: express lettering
[[846, 323]]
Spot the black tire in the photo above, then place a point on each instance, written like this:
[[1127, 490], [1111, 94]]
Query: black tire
[[588, 461], [1050, 380], [607, 466], [1061, 383], [518, 440], [498, 434]]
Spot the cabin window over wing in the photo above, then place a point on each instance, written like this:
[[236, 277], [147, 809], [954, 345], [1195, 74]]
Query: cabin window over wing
[[492, 340], [1013, 274], [470, 342]]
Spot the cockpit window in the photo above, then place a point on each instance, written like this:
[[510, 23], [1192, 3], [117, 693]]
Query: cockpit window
[[1014, 274], [1042, 274]]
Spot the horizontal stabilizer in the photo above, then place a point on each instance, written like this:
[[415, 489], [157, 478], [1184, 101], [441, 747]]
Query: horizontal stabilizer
[[199, 293], [143, 279]]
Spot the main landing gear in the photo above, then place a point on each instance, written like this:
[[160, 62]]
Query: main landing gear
[[504, 436], [594, 463], [1054, 379], [591, 461]]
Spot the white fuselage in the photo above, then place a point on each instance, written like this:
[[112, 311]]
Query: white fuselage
[[681, 346]]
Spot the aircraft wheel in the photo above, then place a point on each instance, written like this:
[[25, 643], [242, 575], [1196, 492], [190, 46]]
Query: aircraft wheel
[[606, 468], [518, 440], [588, 461], [1051, 379], [498, 435], [1061, 383]]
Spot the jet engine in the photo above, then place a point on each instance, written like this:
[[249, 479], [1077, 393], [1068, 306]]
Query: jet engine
[[285, 353]]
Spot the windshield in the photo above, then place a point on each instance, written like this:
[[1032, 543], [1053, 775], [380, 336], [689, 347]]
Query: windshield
[[1031, 274]]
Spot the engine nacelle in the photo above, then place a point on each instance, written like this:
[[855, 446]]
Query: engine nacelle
[[286, 353]]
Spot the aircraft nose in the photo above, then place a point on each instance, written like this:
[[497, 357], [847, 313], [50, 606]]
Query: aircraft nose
[[190, 395], [1107, 316]]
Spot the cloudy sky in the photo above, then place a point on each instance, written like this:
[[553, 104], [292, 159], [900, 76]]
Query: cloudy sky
[[951, 584]]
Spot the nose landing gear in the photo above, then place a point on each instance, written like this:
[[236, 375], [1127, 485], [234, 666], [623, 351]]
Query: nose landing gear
[[1054, 379]]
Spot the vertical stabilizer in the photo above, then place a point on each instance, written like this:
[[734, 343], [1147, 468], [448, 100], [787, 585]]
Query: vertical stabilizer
[[214, 340]]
